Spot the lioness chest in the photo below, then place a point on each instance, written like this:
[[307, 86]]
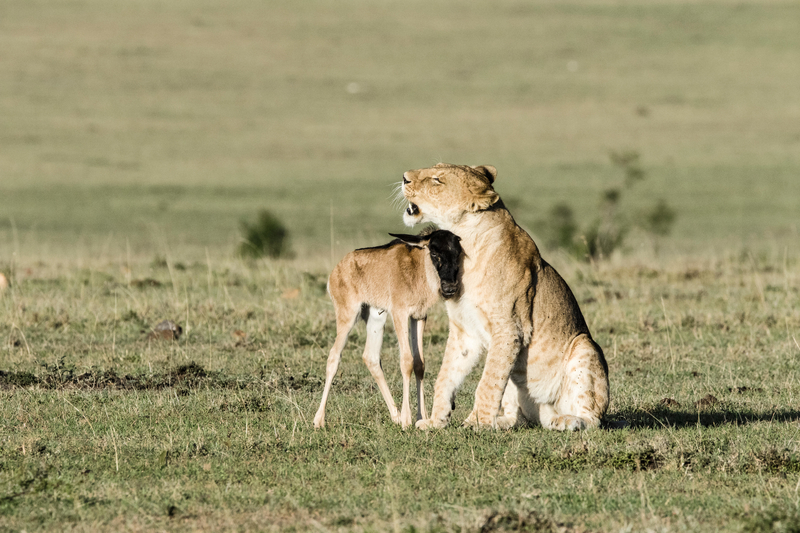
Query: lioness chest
[[471, 321], [498, 279], [487, 305]]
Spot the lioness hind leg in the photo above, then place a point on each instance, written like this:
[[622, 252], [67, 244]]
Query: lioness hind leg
[[584, 394], [547, 415]]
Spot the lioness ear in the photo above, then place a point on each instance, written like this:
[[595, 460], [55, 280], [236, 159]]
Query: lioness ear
[[412, 240], [487, 170], [484, 201]]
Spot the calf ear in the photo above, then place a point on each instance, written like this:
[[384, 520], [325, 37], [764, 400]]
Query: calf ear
[[412, 240]]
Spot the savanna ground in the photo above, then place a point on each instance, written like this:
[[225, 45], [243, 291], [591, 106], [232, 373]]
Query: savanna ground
[[136, 135]]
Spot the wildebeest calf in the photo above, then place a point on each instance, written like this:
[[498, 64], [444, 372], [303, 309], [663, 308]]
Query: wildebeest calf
[[404, 277]]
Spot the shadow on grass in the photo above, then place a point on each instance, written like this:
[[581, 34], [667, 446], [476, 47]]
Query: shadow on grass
[[670, 418], [66, 377], [182, 377]]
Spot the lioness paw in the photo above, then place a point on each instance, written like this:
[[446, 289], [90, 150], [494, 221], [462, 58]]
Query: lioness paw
[[471, 420], [488, 422], [505, 422], [430, 423], [569, 423]]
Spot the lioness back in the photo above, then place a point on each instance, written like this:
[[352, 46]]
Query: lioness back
[[555, 308]]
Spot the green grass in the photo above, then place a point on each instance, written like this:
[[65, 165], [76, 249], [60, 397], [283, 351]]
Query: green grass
[[103, 428], [136, 136]]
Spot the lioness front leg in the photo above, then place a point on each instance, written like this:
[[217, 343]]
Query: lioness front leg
[[461, 354], [512, 413], [489, 394]]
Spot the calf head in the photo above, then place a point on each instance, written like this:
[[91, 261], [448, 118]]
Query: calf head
[[445, 251]]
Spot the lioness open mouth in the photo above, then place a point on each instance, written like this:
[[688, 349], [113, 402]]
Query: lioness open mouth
[[412, 209]]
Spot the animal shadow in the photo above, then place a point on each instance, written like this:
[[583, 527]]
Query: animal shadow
[[664, 417]]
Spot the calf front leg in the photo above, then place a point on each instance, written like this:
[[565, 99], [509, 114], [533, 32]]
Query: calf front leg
[[372, 357], [416, 330], [401, 324]]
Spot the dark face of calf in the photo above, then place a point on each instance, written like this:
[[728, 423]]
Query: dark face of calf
[[445, 250]]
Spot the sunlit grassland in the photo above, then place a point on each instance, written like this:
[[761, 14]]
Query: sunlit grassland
[[121, 116], [102, 428], [134, 136]]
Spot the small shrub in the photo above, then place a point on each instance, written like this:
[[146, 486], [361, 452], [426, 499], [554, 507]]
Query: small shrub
[[266, 237], [659, 220], [560, 227], [608, 230], [601, 238], [629, 162], [773, 520]]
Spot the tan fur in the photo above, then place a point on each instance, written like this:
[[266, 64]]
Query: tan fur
[[399, 279], [515, 308]]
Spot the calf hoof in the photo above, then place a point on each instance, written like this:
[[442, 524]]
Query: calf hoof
[[405, 420]]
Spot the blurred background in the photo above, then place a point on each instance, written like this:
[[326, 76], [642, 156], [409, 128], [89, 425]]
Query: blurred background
[[136, 128]]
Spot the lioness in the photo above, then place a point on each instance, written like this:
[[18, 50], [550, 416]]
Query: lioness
[[515, 306]]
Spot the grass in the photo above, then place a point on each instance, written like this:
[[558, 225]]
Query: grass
[[104, 428], [136, 136]]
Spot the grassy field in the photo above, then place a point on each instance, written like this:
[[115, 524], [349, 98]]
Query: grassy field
[[136, 135]]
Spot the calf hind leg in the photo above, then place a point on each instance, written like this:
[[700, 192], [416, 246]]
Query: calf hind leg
[[344, 323]]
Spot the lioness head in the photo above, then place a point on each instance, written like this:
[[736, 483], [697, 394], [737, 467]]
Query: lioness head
[[445, 193]]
